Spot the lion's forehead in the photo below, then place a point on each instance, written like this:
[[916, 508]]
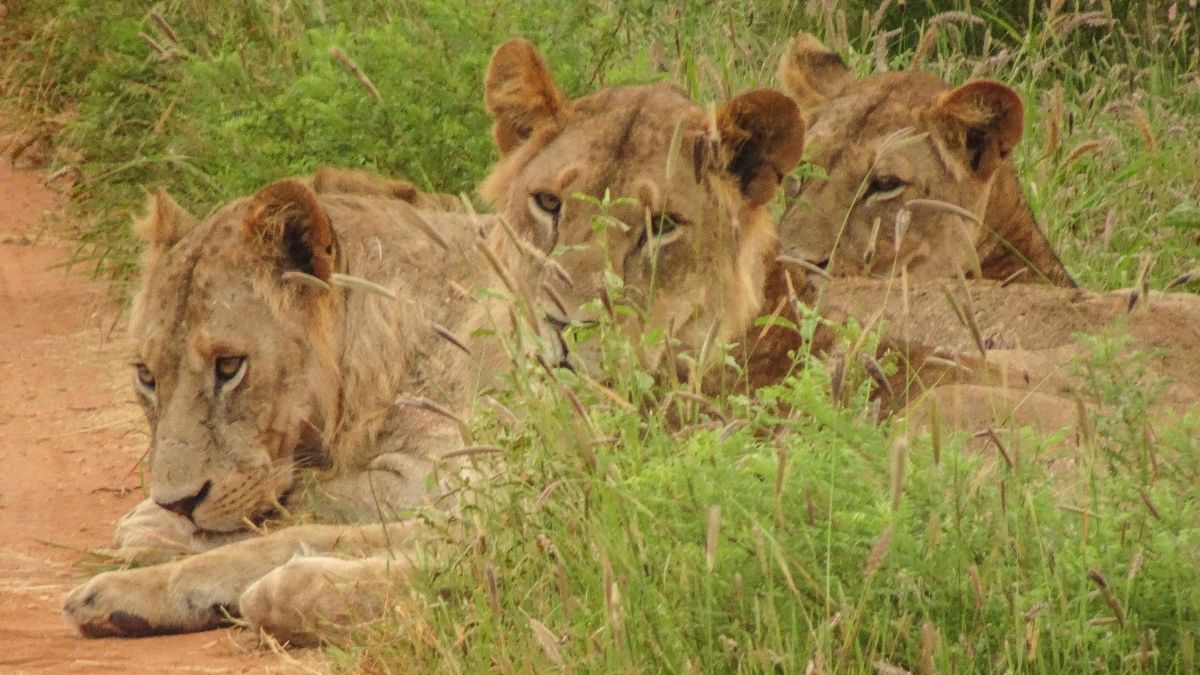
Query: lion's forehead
[[627, 128], [200, 287], [855, 123]]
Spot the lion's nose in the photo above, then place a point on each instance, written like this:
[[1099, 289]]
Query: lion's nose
[[185, 506]]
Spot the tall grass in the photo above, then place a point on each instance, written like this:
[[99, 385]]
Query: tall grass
[[785, 534], [782, 533], [212, 99]]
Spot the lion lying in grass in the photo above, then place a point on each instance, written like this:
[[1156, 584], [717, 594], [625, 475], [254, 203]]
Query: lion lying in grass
[[910, 174], [1032, 338], [263, 355]]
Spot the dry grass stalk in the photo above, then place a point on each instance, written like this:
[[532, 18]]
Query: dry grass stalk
[[879, 53], [955, 17], [879, 551], [359, 284], [489, 573], [547, 641], [938, 205], [1141, 284], [967, 320], [802, 264], [885, 668], [1084, 148], [992, 63], [161, 51], [1107, 594], [430, 406], [990, 434], [877, 17], [447, 335], [869, 254], [612, 597], [714, 531], [473, 450], [1185, 278], [163, 26], [1067, 24], [924, 46], [414, 216], [1110, 226], [977, 587], [344, 59], [1135, 566], [875, 371], [929, 645], [1142, 122], [1054, 136]]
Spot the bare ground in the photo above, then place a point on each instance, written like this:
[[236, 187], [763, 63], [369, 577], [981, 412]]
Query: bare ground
[[70, 440]]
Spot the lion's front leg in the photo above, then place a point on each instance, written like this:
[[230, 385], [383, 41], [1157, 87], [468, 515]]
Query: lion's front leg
[[196, 593]]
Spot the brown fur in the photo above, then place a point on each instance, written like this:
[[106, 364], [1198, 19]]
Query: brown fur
[[336, 180], [956, 150]]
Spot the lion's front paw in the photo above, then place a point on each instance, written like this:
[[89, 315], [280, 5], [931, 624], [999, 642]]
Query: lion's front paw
[[150, 527], [311, 599], [135, 603]]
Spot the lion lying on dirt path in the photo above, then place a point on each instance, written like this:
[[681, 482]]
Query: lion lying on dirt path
[[259, 354], [912, 174]]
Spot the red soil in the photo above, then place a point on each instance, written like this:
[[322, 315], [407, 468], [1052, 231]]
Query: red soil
[[70, 440]]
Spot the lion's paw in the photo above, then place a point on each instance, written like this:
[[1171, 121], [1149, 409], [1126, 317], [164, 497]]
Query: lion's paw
[[135, 603], [149, 526], [311, 599]]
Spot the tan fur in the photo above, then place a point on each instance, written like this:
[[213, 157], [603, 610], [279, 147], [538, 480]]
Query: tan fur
[[260, 279], [1029, 334], [943, 144], [337, 180]]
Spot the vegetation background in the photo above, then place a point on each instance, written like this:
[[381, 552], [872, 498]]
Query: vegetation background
[[758, 538]]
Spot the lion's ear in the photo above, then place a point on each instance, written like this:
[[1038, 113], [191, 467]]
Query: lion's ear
[[520, 94], [166, 221], [982, 121], [812, 72], [762, 140], [287, 222]]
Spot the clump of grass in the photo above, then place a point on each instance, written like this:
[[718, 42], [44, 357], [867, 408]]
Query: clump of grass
[[635, 529]]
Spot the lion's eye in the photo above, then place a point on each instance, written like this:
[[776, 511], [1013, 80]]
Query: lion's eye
[[229, 370], [884, 185], [548, 202], [664, 224], [145, 378]]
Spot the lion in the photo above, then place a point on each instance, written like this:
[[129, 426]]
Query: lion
[[1032, 338], [909, 174], [337, 338]]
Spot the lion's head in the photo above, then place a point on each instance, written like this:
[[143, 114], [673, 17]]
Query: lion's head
[[909, 173], [640, 187], [232, 366]]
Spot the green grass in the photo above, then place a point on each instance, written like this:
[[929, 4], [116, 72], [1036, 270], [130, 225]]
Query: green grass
[[784, 531], [246, 92]]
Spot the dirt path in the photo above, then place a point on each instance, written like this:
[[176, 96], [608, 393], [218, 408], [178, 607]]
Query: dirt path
[[70, 439]]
